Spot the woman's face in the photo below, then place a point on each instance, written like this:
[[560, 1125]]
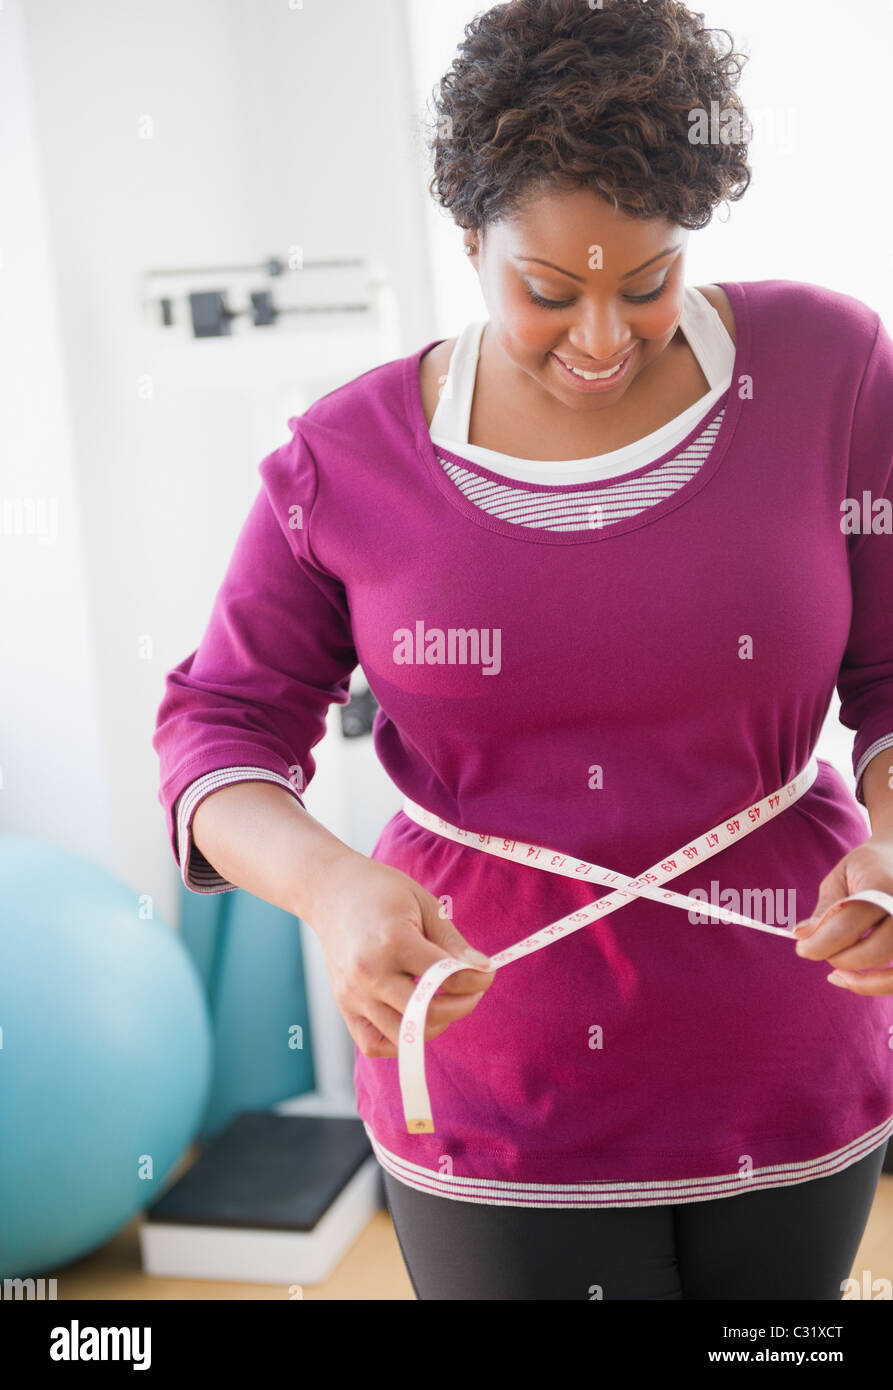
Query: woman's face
[[614, 290]]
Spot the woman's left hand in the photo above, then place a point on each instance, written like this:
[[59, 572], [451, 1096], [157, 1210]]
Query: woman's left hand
[[839, 941]]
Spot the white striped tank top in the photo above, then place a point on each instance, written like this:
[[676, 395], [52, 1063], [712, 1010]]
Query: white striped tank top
[[580, 509]]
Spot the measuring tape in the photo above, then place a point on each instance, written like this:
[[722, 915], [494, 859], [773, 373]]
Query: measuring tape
[[411, 1045]]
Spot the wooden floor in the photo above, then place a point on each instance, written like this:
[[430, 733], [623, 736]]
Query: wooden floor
[[372, 1269]]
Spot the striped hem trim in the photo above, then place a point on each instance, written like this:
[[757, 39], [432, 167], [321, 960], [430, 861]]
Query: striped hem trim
[[572, 511], [195, 871], [886, 741], [660, 1192]]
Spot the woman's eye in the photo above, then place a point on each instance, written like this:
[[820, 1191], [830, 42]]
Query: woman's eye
[[547, 303], [566, 303], [647, 298]]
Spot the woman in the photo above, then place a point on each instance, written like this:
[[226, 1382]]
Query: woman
[[591, 557]]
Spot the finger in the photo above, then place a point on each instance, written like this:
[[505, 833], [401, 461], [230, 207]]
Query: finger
[[844, 927], [875, 951], [808, 925], [369, 1039], [384, 1018], [442, 1012], [442, 1009], [467, 982], [444, 933], [387, 1021], [832, 889], [869, 982], [417, 954], [397, 990]]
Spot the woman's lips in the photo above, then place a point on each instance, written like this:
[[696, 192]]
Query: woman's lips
[[600, 383]]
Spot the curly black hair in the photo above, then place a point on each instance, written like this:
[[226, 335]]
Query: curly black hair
[[552, 93]]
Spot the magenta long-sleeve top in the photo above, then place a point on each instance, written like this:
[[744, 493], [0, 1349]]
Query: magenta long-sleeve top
[[611, 693]]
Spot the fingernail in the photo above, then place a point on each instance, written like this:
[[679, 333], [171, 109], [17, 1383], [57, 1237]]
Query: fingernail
[[476, 957], [806, 928], [835, 978]]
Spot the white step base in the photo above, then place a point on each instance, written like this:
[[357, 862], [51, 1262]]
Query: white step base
[[174, 1250]]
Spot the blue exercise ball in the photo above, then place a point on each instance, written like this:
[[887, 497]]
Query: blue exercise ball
[[105, 1055]]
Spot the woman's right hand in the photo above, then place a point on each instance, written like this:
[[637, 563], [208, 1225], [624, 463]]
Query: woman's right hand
[[379, 931]]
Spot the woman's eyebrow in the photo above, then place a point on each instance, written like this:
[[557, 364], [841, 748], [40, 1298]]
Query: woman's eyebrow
[[628, 276]]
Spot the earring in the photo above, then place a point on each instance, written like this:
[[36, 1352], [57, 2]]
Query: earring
[[470, 250]]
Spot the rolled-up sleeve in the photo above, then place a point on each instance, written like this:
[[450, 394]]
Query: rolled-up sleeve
[[865, 681], [250, 703]]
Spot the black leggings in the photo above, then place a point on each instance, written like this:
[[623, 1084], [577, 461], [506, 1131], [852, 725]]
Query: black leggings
[[796, 1242]]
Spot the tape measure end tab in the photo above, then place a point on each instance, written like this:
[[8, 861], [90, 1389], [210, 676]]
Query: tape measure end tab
[[420, 1127]]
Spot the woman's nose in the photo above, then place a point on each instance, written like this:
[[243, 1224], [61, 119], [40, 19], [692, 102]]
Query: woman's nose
[[600, 335]]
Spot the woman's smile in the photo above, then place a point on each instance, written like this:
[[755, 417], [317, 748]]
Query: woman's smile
[[589, 381]]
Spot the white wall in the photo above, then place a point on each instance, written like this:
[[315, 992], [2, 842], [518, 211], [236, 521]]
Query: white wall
[[272, 124], [52, 752]]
